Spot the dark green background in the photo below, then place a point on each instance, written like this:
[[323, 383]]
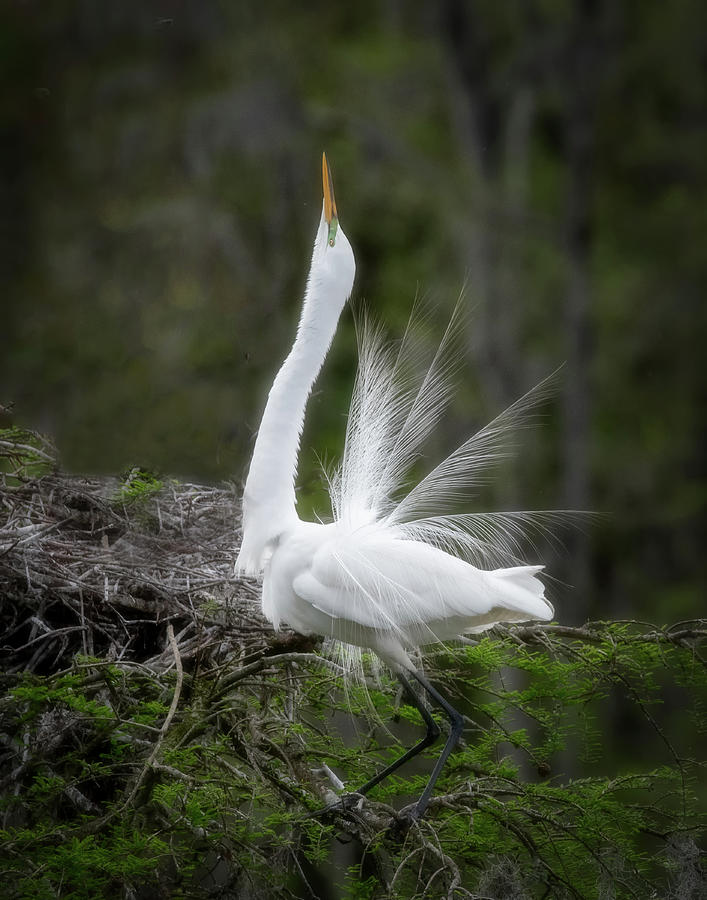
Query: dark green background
[[162, 188]]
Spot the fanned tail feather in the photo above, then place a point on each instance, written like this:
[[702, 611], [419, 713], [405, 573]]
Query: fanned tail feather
[[389, 419], [491, 540], [391, 416], [458, 476]]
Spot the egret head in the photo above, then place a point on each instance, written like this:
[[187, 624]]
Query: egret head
[[333, 250]]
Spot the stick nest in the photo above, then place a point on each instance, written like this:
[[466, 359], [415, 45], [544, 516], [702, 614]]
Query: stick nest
[[99, 566]]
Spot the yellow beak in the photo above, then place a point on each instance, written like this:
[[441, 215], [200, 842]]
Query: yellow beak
[[328, 187]]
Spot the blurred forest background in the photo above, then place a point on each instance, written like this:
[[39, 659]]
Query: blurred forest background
[[162, 189]]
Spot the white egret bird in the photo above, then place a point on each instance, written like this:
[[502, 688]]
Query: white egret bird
[[387, 574]]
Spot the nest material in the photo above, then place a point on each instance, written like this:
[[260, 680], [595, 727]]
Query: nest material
[[98, 566]]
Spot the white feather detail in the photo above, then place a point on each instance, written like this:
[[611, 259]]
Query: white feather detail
[[391, 416], [375, 589]]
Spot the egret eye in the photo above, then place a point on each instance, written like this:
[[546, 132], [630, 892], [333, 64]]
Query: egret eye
[[331, 240]]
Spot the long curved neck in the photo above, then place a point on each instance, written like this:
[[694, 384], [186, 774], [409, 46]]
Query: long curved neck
[[273, 469], [269, 496]]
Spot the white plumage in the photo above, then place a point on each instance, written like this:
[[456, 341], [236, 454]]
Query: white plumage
[[391, 572], [373, 587]]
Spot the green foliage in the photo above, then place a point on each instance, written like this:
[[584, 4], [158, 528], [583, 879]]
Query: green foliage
[[139, 486], [84, 754], [81, 867], [231, 780], [66, 690]]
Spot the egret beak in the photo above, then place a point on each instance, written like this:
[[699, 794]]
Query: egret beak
[[330, 213]]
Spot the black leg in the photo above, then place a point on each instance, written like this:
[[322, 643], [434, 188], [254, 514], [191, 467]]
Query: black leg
[[431, 736], [457, 722]]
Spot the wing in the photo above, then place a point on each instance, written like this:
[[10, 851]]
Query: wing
[[374, 579]]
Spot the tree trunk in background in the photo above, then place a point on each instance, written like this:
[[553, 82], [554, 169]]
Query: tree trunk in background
[[577, 394], [476, 120], [514, 217], [582, 67], [493, 118]]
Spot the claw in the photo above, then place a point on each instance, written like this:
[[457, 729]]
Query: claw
[[403, 821], [345, 803]]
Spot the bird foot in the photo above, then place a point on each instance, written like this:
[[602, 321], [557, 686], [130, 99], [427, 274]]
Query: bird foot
[[349, 801], [404, 820], [345, 803]]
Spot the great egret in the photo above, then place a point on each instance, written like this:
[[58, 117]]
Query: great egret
[[387, 573]]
